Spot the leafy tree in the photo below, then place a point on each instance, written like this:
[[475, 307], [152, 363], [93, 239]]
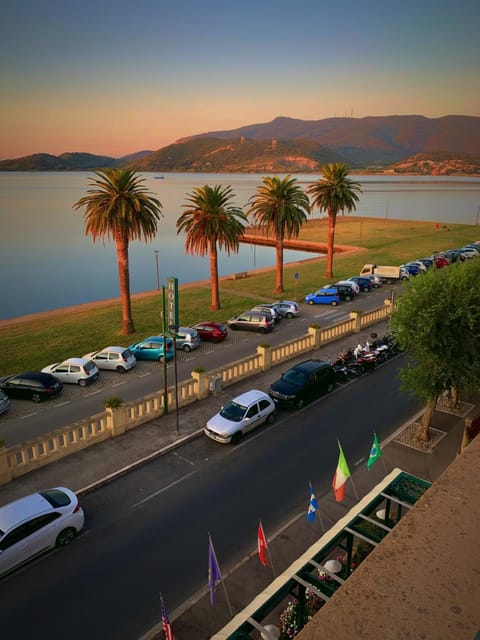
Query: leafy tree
[[211, 221], [119, 207], [437, 319], [280, 207], [334, 193]]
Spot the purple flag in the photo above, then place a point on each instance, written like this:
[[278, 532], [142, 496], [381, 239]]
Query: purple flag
[[214, 575]]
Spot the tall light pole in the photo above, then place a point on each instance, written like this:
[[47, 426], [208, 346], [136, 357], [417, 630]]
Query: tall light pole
[[158, 273]]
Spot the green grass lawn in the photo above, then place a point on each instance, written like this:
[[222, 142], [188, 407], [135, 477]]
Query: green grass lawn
[[32, 344]]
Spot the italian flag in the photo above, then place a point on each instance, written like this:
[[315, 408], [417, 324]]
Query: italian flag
[[341, 476]]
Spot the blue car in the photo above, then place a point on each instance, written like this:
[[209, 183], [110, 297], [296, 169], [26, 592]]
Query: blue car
[[152, 348], [323, 296], [364, 283]]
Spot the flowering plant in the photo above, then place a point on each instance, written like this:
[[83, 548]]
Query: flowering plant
[[290, 624]]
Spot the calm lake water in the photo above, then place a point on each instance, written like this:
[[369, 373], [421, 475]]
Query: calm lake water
[[47, 262]]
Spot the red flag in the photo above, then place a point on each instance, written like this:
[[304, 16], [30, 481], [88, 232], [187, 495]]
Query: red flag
[[167, 627], [262, 545]]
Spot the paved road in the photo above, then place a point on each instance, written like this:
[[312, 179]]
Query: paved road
[[27, 420], [147, 531]]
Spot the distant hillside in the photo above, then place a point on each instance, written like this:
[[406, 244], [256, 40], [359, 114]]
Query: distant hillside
[[67, 162], [373, 140], [289, 145], [239, 155]]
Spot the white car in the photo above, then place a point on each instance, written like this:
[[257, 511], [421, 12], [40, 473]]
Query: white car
[[469, 252], [242, 414], [119, 359], [35, 523], [350, 283], [74, 371]]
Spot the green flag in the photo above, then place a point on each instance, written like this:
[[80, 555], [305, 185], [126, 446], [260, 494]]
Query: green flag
[[375, 451]]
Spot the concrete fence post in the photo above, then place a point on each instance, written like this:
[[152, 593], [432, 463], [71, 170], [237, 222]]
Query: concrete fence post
[[6, 475], [266, 356], [316, 333], [357, 317], [117, 421], [201, 383]]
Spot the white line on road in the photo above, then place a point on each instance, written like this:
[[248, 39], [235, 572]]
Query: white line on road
[[60, 404], [29, 415], [119, 384], [153, 495], [148, 373], [93, 393], [355, 464]]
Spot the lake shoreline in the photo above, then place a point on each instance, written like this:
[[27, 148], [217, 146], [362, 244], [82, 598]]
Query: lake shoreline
[[87, 306]]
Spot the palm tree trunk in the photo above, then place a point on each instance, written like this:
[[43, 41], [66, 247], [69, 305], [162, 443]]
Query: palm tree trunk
[[332, 218], [214, 276], [279, 270], [124, 279], [423, 432]]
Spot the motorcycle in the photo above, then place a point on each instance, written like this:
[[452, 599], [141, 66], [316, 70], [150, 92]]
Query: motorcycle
[[349, 363]]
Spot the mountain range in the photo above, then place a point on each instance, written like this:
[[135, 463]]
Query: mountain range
[[290, 145]]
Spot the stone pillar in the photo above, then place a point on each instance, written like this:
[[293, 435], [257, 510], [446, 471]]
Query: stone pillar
[[5, 472], [116, 421], [356, 315], [264, 351], [201, 383], [316, 332]]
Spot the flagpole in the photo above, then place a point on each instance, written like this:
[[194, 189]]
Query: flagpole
[[318, 509], [268, 550], [222, 581], [353, 487]]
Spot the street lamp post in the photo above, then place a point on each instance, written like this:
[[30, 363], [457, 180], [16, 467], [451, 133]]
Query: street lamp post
[[158, 273]]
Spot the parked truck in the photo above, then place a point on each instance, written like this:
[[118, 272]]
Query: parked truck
[[388, 274]]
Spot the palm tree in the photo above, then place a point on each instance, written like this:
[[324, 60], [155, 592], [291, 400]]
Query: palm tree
[[280, 207], [118, 207], [211, 221], [334, 193]]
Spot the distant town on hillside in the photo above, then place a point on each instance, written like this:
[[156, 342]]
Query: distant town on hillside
[[393, 144]]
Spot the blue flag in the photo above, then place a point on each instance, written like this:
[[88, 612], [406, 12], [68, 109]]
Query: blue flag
[[313, 506], [214, 575]]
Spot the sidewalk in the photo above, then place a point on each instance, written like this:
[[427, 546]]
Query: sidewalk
[[101, 463]]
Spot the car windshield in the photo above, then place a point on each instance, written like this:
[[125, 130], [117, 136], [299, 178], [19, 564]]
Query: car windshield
[[233, 411], [294, 376]]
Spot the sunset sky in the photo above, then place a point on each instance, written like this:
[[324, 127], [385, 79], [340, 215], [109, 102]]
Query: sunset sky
[[117, 77]]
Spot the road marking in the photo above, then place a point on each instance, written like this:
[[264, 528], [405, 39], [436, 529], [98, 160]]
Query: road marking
[[60, 404], [148, 373], [355, 464], [93, 393], [29, 415], [119, 384], [157, 493]]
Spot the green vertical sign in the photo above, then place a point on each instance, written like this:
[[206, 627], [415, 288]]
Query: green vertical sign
[[172, 302]]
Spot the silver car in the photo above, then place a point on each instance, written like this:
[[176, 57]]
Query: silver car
[[287, 308], [240, 415], [35, 523], [119, 359], [187, 338], [74, 371]]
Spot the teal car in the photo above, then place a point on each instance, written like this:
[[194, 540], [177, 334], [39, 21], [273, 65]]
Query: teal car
[[152, 348]]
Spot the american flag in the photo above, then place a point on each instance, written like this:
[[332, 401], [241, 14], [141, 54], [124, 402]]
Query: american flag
[[167, 627]]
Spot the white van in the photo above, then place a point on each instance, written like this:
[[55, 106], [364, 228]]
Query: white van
[[36, 523]]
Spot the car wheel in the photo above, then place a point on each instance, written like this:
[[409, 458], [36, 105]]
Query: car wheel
[[120, 369], [289, 316], [187, 348], [310, 302], [233, 327], [347, 298], [160, 358], [330, 387], [36, 397], [300, 403], [271, 418], [65, 537], [263, 330], [82, 383], [237, 437], [334, 303]]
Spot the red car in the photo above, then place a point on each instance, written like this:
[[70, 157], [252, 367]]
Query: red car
[[211, 331], [441, 261]]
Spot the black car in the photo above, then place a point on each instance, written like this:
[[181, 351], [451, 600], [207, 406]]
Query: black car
[[31, 385], [345, 292], [303, 383]]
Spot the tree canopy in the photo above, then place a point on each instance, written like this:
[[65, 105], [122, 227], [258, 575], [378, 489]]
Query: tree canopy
[[437, 320]]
